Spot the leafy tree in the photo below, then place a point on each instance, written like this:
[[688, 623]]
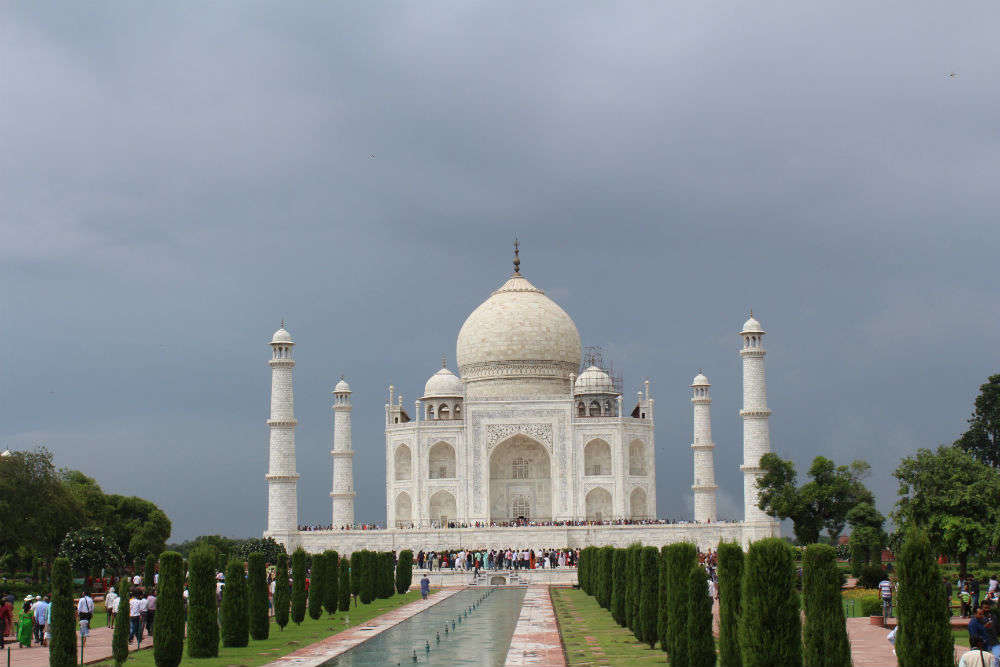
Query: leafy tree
[[663, 599], [952, 497], [770, 629], [825, 632], [268, 546], [168, 649], [681, 557], [54, 511], [235, 618], [282, 593], [820, 504], [62, 616], [982, 440], [344, 586], [700, 643], [149, 573], [316, 581], [867, 536], [119, 637], [223, 546], [404, 571], [924, 636], [89, 550], [730, 583], [259, 621], [648, 596], [331, 581], [298, 586], [618, 587], [203, 611]]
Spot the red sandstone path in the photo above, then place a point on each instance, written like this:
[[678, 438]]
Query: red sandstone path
[[98, 649], [536, 638]]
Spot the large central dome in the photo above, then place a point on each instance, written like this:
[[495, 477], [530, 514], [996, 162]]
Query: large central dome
[[518, 344]]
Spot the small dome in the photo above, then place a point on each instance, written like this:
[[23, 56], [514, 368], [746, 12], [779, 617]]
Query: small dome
[[594, 381], [444, 384], [700, 381], [342, 386], [752, 326], [281, 335]]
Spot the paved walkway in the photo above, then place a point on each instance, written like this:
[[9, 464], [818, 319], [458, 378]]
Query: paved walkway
[[331, 647], [536, 638], [98, 649]]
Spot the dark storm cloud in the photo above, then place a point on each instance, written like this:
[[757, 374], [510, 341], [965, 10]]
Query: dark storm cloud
[[178, 179]]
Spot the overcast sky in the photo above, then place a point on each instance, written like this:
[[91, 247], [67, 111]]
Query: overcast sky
[[176, 179]]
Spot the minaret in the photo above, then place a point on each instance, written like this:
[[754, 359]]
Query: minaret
[[342, 494], [704, 459], [282, 480], [756, 430]]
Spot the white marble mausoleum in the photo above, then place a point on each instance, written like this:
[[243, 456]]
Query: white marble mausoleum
[[524, 446]]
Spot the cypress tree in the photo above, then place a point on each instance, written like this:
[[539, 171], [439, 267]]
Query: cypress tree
[[663, 600], [681, 558], [404, 571], [282, 594], [390, 574], [630, 591], [259, 622], [119, 638], [149, 573], [701, 644], [770, 628], [385, 574], [357, 567], [168, 649], [298, 586], [825, 632], [730, 583], [203, 609], [344, 587], [636, 573], [331, 581], [924, 636], [235, 619], [605, 577], [649, 595], [62, 616], [316, 581], [367, 593], [618, 587]]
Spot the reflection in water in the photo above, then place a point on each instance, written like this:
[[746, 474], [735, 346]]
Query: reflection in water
[[472, 627]]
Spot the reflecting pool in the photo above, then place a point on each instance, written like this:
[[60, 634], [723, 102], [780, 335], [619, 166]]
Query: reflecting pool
[[472, 627]]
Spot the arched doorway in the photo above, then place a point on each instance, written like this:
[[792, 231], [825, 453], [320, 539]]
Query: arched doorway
[[520, 481], [441, 461], [404, 510], [403, 462], [637, 504], [597, 458], [599, 507], [443, 508]]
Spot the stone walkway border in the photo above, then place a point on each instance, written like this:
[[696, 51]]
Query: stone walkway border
[[536, 638], [329, 648]]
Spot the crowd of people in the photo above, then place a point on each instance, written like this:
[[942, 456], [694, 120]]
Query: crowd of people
[[516, 523], [496, 559]]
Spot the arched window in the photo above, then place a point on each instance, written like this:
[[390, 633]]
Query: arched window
[[520, 508], [581, 409], [595, 409], [458, 411], [519, 468], [443, 412]]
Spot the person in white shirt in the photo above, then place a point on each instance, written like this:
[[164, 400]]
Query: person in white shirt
[[134, 619], [993, 584], [976, 656], [150, 612], [111, 607], [137, 580], [84, 612]]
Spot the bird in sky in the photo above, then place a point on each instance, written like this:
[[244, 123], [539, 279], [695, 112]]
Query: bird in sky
[[952, 75]]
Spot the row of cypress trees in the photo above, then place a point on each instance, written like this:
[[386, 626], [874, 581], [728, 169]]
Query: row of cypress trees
[[760, 613]]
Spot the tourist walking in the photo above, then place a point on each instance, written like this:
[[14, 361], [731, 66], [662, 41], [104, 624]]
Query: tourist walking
[[111, 607], [425, 587], [41, 614], [150, 612], [25, 624], [6, 620], [134, 619], [976, 656], [84, 612]]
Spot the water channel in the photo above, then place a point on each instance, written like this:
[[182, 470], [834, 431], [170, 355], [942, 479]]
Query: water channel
[[472, 627]]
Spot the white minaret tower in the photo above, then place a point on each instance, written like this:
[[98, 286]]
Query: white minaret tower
[[756, 430], [704, 458], [282, 480], [342, 494]]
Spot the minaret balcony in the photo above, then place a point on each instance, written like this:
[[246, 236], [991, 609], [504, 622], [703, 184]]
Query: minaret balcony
[[282, 422]]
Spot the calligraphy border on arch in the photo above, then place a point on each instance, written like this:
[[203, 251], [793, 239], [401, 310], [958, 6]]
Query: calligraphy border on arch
[[496, 433]]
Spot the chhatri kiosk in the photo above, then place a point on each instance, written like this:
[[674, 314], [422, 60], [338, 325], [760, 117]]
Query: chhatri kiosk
[[523, 447]]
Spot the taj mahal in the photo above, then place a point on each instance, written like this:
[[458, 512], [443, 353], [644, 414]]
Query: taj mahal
[[525, 445]]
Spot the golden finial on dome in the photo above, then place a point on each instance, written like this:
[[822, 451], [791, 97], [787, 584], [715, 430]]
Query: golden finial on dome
[[444, 361], [517, 259]]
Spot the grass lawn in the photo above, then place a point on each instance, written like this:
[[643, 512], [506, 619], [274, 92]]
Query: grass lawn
[[280, 642], [592, 637]]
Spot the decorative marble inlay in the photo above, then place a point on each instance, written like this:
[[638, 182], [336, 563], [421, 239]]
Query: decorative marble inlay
[[499, 432]]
